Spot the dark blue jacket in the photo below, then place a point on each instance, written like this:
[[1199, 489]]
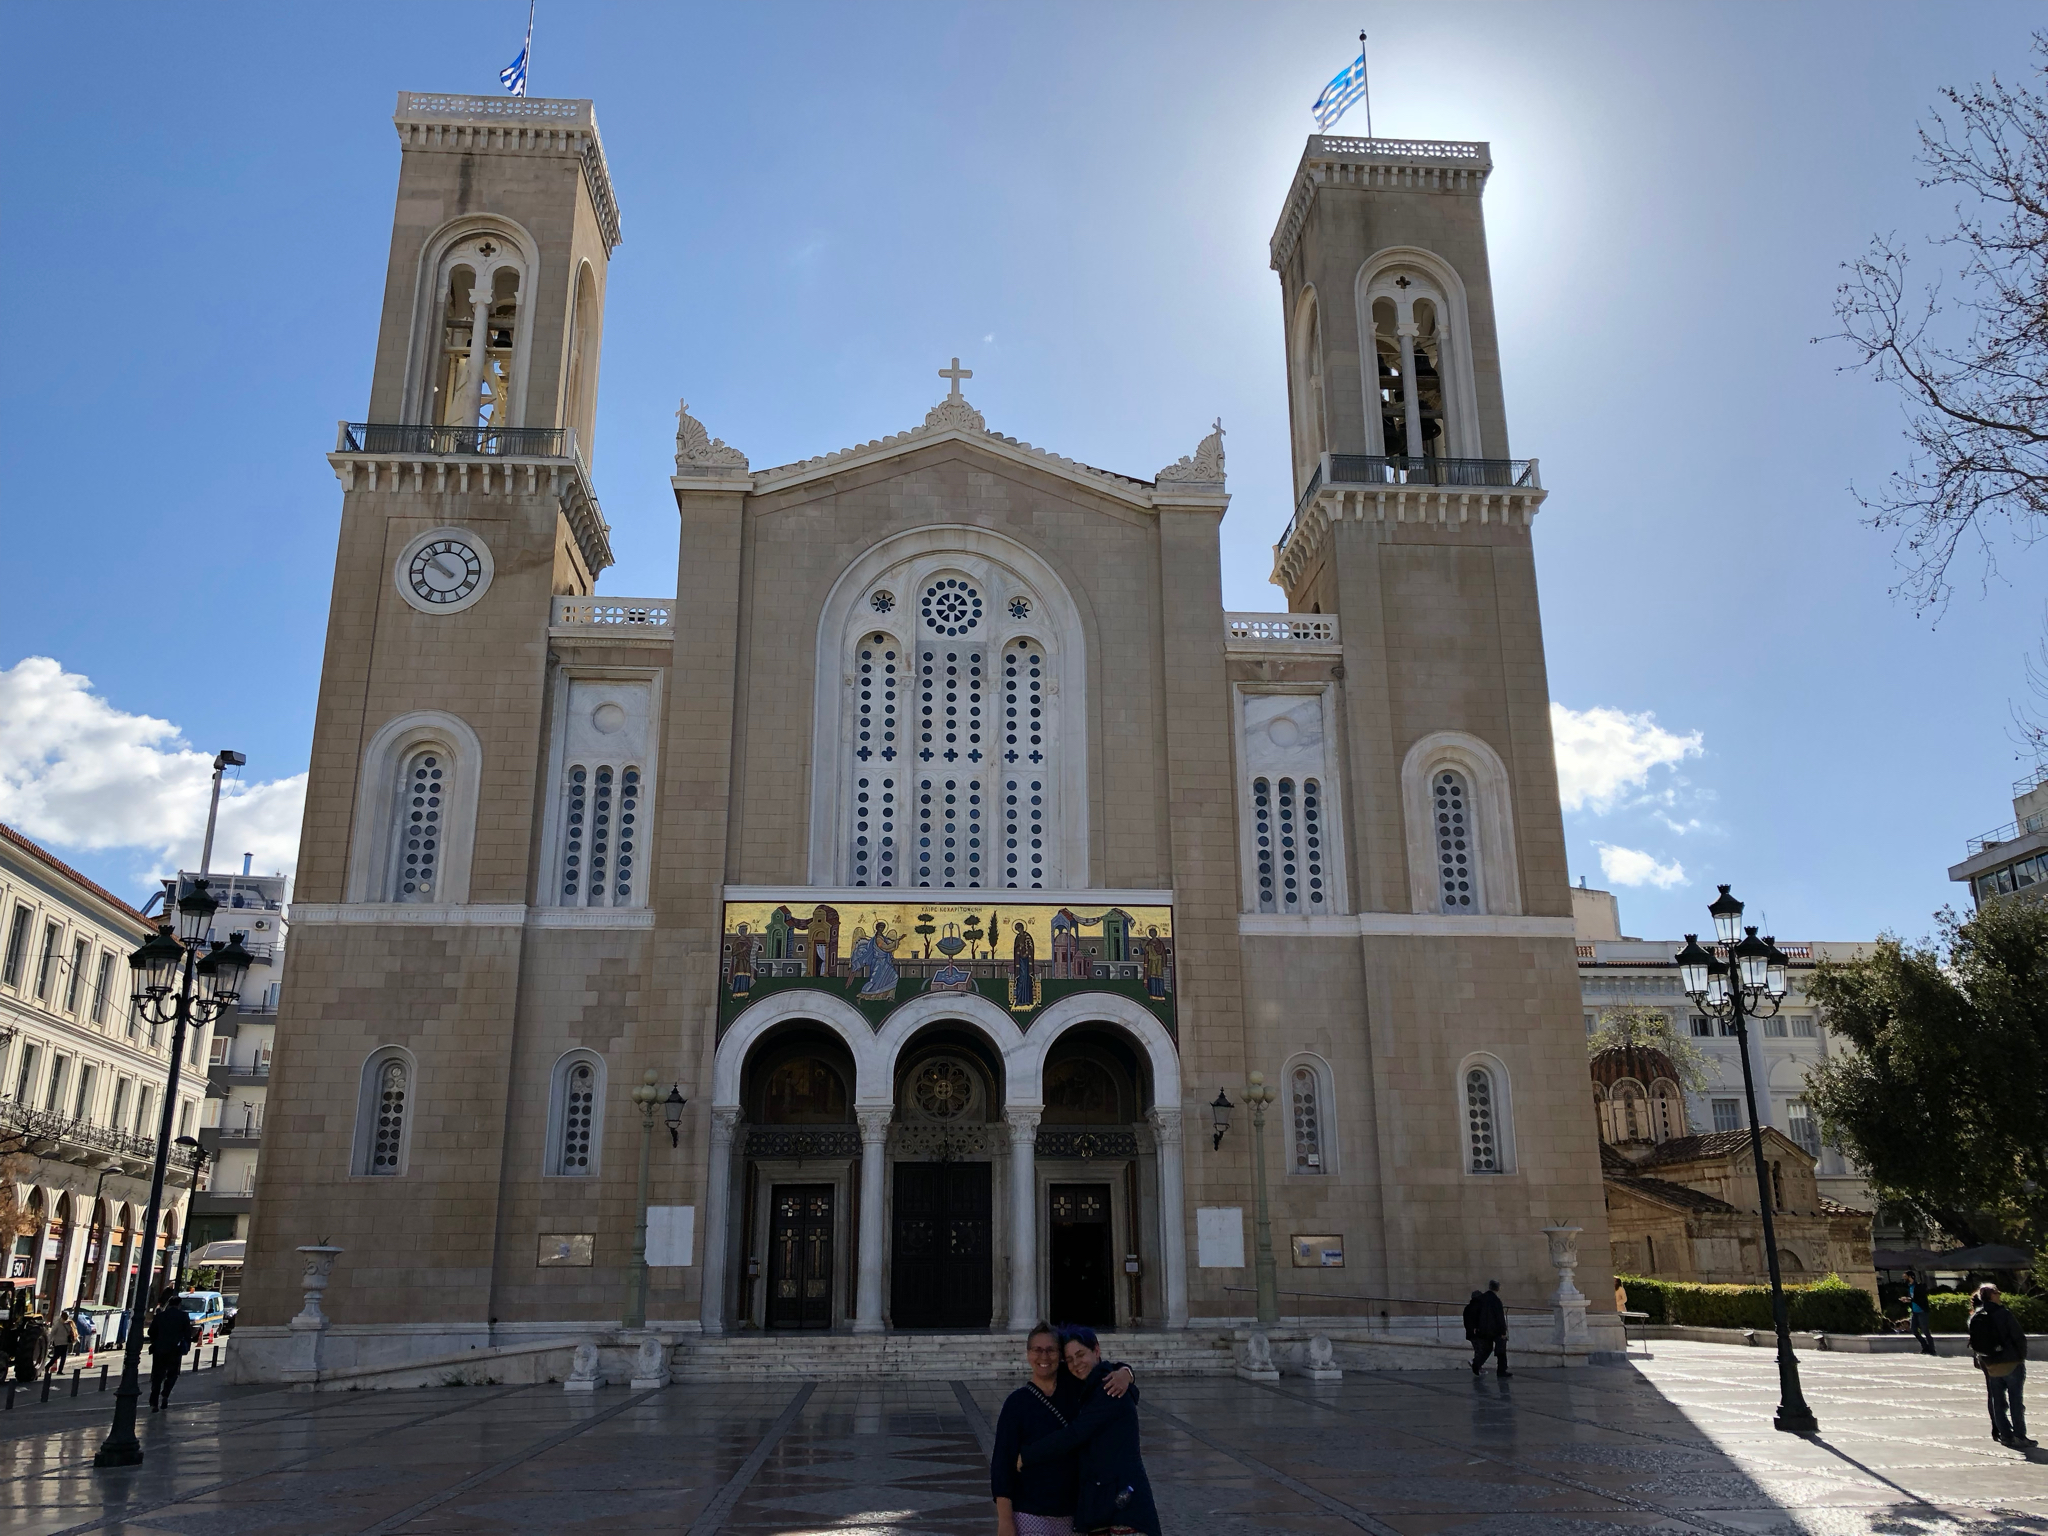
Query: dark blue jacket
[[1105, 1433], [1028, 1416]]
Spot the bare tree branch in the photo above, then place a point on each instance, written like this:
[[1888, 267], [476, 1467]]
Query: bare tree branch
[[1971, 370]]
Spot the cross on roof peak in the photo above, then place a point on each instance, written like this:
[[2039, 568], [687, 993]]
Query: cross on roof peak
[[956, 373]]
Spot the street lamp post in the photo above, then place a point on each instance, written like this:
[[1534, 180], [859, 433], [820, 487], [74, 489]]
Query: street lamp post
[[1750, 984], [181, 979], [648, 1097], [99, 1188], [1266, 1275]]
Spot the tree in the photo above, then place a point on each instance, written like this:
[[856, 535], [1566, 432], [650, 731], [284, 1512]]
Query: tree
[[1944, 1098], [1634, 1025], [1972, 367]]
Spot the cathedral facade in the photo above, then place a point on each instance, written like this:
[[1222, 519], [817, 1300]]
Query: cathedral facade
[[885, 913]]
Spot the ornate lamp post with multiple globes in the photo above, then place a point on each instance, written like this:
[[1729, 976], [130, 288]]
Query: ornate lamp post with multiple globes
[[1750, 984], [184, 980]]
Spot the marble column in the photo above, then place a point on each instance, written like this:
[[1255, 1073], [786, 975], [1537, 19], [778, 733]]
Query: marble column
[[1023, 1217], [874, 1141], [725, 1119], [1411, 403], [479, 350], [1173, 1216]]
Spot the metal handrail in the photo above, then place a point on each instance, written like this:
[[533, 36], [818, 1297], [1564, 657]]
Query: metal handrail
[[1404, 1301], [480, 442], [2012, 831], [1398, 469]]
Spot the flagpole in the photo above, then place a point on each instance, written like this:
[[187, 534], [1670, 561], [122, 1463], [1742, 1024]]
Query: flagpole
[[1364, 75], [528, 82]]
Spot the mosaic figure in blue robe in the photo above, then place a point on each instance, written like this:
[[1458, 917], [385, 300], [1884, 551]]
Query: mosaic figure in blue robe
[[881, 965], [1023, 984]]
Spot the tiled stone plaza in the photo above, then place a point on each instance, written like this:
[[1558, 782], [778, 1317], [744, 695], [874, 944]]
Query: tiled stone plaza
[[1677, 1442]]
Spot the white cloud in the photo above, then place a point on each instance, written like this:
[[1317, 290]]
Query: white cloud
[[79, 773], [1603, 753], [1630, 866]]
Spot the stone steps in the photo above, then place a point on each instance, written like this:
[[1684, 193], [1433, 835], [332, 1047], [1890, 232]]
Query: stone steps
[[844, 1356]]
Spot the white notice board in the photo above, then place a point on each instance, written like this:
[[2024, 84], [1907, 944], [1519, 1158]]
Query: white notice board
[[671, 1230], [1219, 1237]]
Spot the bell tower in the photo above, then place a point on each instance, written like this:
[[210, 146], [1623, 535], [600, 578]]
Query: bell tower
[[467, 511]]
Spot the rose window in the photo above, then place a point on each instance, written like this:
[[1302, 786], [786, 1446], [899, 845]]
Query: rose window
[[951, 607], [943, 1090]]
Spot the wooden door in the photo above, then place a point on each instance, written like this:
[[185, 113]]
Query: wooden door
[[800, 1256], [942, 1273]]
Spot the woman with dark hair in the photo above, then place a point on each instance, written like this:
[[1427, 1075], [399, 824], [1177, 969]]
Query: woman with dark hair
[[1040, 1502], [1112, 1495]]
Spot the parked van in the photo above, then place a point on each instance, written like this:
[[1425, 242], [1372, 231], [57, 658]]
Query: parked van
[[208, 1313]]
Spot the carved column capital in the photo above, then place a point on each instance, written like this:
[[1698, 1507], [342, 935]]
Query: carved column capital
[[1165, 1126], [725, 1119], [1023, 1124], [874, 1125]]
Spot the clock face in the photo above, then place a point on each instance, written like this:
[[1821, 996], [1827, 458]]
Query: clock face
[[444, 571]]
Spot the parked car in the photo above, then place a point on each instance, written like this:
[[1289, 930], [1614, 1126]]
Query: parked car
[[208, 1314]]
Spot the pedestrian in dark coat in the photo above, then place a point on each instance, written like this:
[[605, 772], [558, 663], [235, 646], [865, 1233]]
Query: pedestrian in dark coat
[[1999, 1347], [63, 1338], [170, 1336], [1113, 1495], [1916, 1311], [1486, 1325]]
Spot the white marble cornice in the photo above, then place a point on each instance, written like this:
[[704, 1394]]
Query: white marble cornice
[[515, 125], [1409, 165], [348, 914], [1444, 508], [487, 475]]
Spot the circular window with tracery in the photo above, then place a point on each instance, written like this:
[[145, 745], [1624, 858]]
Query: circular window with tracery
[[943, 1090], [951, 607]]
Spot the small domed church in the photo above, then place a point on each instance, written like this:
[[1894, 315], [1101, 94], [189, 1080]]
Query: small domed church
[[880, 931]]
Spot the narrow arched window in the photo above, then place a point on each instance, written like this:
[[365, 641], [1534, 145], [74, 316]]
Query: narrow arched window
[[1306, 1094], [384, 1113], [575, 1113], [422, 814], [1482, 1144], [1262, 819], [1027, 754], [880, 678], [1457, 849]]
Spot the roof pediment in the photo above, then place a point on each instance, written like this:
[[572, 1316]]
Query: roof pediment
[[1195, 480]]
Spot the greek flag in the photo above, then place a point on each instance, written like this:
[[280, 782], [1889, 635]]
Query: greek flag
[[513, 75], [1338, 94]]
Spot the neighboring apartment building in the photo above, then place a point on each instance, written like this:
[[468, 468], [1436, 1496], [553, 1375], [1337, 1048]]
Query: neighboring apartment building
[[1614, 970], [82, 1079], [2012, 858], [238, 1060]]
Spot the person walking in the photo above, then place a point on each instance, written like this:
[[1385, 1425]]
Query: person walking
[[87, 1333], [1486, 1325], [170, 1335], [1113, 1496], [1916, 1311], [1998, 1345], [63, 1338], [1040, 1502]]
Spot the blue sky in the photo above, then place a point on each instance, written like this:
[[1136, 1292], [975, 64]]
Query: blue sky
[[822, 204]]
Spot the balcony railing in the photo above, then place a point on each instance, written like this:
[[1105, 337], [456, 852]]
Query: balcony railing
[[477, 442], [2029, 782], [1386, 469], [2010, 832], [29, 1125], [607, 615], [1259, 630], [1398, 469]]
